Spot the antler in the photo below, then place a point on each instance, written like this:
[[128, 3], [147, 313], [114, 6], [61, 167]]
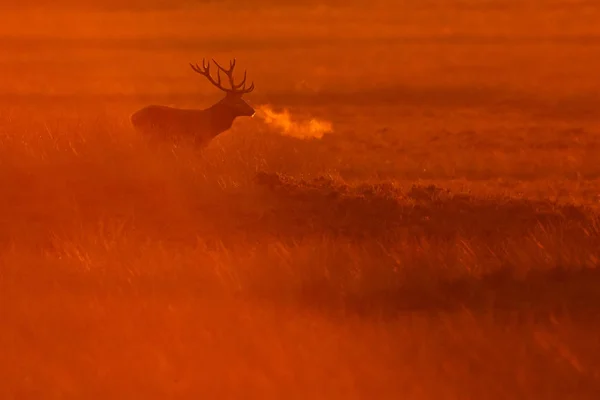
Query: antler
[[205, 71]]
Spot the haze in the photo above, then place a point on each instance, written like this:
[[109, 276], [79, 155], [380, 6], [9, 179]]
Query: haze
[[412, 212]]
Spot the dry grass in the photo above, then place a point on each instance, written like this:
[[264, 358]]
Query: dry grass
[[127, 269], [442, 242]]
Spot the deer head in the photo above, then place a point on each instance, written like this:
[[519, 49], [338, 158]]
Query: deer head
[[233, 97]]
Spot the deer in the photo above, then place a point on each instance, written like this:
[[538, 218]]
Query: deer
[[198, 126]]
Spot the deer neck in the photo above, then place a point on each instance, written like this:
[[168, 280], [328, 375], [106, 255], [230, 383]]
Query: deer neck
[[221, 117]]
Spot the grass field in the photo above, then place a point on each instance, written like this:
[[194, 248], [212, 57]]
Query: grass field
[[442, 241]]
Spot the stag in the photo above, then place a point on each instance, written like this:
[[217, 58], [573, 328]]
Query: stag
[[199, 126]]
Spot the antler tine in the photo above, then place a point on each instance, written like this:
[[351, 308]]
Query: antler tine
[[228, 72], [251, 88], [241, 84], [205, 71]]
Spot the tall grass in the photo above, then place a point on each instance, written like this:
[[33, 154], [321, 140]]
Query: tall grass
[[442, 242], [262, 213]]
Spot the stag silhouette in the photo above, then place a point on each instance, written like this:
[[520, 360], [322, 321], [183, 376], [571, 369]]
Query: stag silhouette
[[200, 126]]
